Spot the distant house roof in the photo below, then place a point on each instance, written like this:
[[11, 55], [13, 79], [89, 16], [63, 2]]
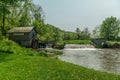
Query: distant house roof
[[21, 29]]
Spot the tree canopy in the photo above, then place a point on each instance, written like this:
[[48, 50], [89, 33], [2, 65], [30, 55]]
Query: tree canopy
[[20, 13], [110, 28], [5, 6]]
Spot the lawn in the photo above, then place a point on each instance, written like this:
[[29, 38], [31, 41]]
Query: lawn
[[14, 66], [20, 67]]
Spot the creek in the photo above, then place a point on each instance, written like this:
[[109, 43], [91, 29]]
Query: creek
[[107, 60]]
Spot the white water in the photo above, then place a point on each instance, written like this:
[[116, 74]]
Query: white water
[[83, 49], [107, 60]]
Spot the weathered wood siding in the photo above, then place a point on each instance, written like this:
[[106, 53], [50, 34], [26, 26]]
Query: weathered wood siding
[[23, 38], [32, 35], [15, 37]]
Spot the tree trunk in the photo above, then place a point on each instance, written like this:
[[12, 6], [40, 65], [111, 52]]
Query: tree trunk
[[3, 25], [3, 22]]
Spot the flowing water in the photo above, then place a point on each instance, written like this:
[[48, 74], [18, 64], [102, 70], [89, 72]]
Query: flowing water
[[107, 60]]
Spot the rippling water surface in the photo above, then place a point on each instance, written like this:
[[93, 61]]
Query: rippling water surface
[[107, 60]]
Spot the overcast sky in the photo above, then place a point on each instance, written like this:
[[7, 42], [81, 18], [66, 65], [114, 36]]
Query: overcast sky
[[69, 14]]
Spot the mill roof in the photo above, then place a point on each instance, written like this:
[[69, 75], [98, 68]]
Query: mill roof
[[21, 29]]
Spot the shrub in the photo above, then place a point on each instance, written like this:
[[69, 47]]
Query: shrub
[[56, 52], [59, 45], [42, 53], [12, 47]]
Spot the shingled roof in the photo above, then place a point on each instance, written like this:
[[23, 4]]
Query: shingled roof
[[21, 29]]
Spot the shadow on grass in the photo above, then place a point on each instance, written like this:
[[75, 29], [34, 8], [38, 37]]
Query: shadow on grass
[[4, 55]]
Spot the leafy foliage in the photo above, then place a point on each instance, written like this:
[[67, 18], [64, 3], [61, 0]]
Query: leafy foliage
[[96, 32], [42, 53], [26, 13], [5, 10], [110, 28], [11, 47], [83, 35]]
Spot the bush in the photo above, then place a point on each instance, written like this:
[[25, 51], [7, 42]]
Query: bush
[[56, 52], [42, 53], [98, 45], [12, 47], [113, 44], [59, 45]]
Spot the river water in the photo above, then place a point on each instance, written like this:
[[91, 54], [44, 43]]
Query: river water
[[107, 60]]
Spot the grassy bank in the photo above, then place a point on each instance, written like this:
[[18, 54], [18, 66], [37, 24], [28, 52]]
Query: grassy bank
[[61, 44], [111, 44], [20, 65], [48, 52], [78, 42]]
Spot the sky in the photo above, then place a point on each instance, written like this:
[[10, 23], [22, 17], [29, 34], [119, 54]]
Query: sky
[[70, 14]]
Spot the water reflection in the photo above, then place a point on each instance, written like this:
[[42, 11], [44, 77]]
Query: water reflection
[[99, 59]]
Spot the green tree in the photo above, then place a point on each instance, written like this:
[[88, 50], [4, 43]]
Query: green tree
[[96, 32], [70, 36], [4, 10], [110, 28], [78, 33], [85, 34]]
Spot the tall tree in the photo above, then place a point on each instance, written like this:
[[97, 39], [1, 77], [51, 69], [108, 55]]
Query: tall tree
[[4, 9], [96, 32], [25, 17], [78, 33], [110, 28], [85, 34]]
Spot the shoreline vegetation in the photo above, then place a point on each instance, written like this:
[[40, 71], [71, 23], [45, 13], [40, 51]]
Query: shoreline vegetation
[[48, 52], [18, 63], [109, 44]]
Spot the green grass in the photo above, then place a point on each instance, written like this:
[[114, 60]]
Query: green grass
[[113, 42], [59, 45], [13, 48], [20, 67], [78, 42], [48, 52], [56, 52], [14, 66]]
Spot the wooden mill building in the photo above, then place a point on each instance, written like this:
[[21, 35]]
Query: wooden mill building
[[25, 36]]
